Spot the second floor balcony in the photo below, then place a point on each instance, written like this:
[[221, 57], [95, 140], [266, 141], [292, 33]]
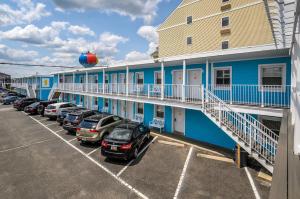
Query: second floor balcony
[[250, 95]]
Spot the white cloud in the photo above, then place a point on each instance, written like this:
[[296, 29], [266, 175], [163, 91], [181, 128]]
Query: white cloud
[[26, 12], [11, 54], [145, 9], [149, 33], [81, 30], [136, 56]]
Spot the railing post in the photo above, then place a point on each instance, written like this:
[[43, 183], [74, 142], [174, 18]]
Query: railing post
[[262, 95], [183, 80], [148, 90], [127, 80], [73, 81], [183, 93], [230, 94], [162, 80], [202, 95]]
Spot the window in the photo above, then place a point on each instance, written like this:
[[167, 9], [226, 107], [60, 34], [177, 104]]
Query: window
[[140, 108], [225, 45], [189, 20], [222, 77], [140, 78], [81, 98], [159, 111], [273, 123], [157, 77], [189, 40], [225, 1], [106, 103], [106, 79], [271, 75], [225, 22], [96, 101]]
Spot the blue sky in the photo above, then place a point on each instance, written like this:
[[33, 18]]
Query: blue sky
[[54, 32]]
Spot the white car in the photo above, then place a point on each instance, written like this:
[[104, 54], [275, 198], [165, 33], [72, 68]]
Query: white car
[[52, 110]]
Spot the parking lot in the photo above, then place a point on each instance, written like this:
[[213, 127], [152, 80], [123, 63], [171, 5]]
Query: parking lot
[[38, 159]]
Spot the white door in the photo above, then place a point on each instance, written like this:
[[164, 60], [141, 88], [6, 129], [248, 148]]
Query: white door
[[129, 106], [177, 84], [122, 83], [194, 82], [114, 107], [123, 109], [178, 120], [114, 81]]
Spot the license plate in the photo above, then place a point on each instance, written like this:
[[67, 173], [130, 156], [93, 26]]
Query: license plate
[[113, 148]]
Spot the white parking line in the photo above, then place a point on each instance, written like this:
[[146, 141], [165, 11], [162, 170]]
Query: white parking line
[[72, 140], [122, 170], [256, 194], [27, 145], [183, 172], [95, 162], [49, 124], [59, 130], [94, 150]]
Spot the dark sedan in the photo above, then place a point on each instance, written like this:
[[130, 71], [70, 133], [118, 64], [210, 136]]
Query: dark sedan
[[125, 141], [32, 108], [63, 113], [73, 119], [21, 104]]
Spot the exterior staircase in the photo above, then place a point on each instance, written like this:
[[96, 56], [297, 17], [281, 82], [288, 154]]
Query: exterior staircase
[[30, 91], [255, 138], [54, 93]]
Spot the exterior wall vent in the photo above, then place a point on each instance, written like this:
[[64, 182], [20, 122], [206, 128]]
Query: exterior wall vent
[[225, 31], [225, 7]]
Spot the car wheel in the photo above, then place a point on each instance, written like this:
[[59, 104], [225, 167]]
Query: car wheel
[[135, 153]]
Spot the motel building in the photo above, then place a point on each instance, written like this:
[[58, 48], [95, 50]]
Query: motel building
[[222, 77]]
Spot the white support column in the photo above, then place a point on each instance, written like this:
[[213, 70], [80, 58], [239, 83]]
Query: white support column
[[73, 81], [86, 81], [183, 79], [162, 79], [206, 75], [103, 81], [127, 80]]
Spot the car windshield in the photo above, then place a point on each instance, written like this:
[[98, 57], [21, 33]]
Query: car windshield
[[120, 134], [72, 117], [34, 104], [89, 124], [50, 107]]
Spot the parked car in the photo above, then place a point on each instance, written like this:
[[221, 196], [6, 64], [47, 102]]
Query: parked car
[[63, 113], [10, 99], [95, 128], [32, 108], [43, 104], [21, 104], [74, 118], [125, 141], [51, 111], [7, 94]]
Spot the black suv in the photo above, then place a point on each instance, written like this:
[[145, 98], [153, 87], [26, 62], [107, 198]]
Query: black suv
[[21, 104], [73, 119], [64, 111], [42, 105], [125, 141]]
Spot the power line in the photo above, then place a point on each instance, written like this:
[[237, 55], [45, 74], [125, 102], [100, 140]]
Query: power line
[[39, 65]]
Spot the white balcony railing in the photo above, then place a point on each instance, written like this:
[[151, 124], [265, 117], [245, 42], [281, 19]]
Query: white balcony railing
[[254, 95]]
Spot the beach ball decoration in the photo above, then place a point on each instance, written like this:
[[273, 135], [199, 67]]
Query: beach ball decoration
[[88, 59]]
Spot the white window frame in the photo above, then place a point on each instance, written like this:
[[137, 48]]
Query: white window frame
[[136, 77], [224, 2], [214, 78], [104, 99], [106, 78], [222, 45], [225, 27], [136, 108], [187, 40], [155, 111], [96, 101], [283, 84]]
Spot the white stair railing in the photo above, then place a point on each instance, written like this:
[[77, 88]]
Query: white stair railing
[[249, 133], [52, 91]]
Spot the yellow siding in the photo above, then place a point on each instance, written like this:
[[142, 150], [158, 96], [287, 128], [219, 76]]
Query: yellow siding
[[249, 27], [200, 9]]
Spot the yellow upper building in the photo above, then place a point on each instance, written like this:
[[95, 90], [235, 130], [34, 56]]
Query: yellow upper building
[[197, 26]]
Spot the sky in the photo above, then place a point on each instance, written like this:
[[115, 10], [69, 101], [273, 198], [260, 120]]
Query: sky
[[56, 32]]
